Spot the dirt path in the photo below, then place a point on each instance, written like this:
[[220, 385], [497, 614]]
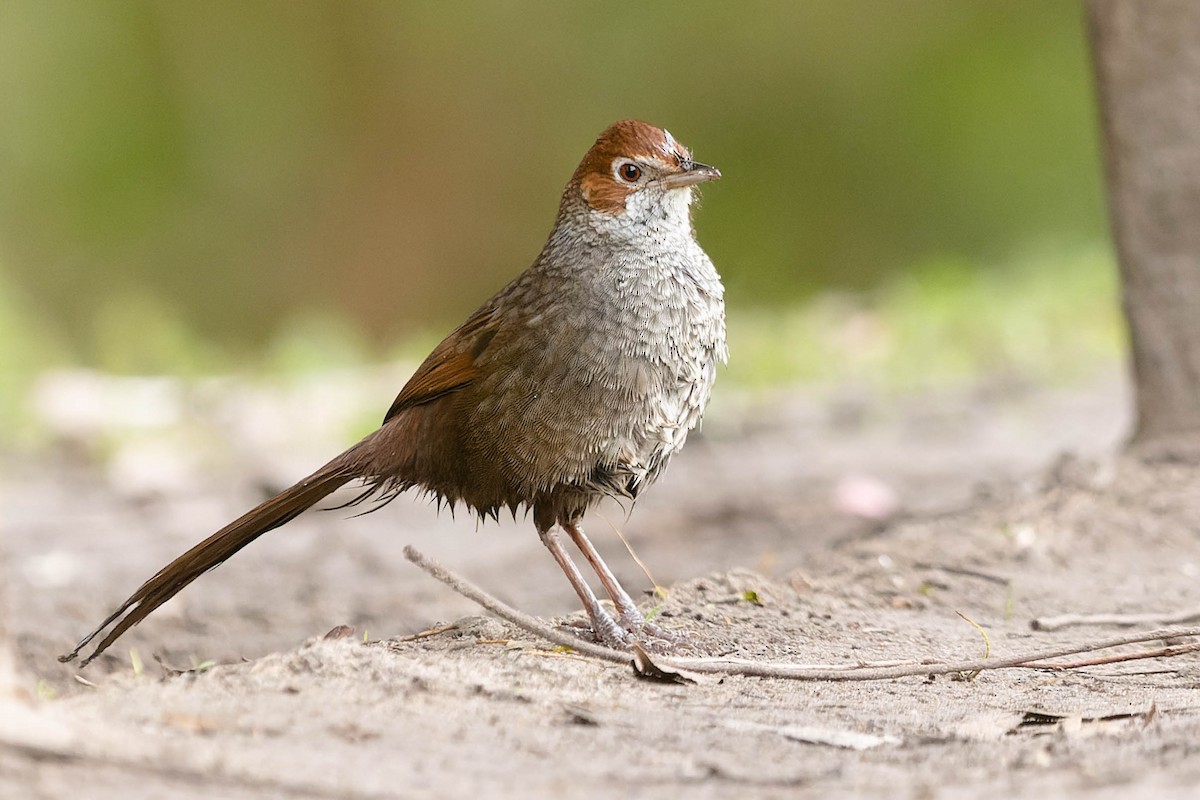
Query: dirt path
[[990, 526]]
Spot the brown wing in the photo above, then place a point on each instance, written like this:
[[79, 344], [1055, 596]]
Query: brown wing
[[450, 366]]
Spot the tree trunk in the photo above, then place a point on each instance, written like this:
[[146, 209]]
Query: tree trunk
[[1146, 56]]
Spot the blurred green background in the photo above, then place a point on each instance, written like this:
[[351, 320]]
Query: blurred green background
[[193, 187]]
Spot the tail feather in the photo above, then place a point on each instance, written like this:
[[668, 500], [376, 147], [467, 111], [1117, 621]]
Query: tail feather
[[211, 552]]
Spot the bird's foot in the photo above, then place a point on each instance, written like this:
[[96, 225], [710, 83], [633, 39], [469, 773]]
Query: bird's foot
[[626, 630], [605, 630], [654, 638]]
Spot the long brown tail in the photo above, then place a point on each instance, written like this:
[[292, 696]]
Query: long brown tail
[[280, 509]]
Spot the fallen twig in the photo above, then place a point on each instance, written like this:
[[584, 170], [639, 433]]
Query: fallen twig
[[1118, 620], [425, 634], [1162, 652], [965, 572], [507, 612], [1039, 659]]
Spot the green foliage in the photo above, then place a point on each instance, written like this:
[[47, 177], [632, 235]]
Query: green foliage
[[230, 164], [1052, 316], [26, 348], [195, 188]]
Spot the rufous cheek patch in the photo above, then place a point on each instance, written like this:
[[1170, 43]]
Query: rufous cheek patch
[[603, 193]]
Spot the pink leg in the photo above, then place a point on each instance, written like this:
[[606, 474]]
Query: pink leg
[[603, 625], [629, 617]]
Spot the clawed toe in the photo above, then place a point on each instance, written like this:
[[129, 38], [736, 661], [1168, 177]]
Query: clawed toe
[[626, 630], [656, 638], [643, 628]]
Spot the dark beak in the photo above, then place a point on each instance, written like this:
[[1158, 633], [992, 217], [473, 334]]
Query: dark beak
[[693, 172]]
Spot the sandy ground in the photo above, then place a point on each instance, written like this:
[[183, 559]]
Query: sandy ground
[[775, 503]]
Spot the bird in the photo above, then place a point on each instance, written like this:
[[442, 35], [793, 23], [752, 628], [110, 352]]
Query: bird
[[577, 381]]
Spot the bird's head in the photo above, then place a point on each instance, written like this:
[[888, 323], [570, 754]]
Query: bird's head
[[637, 175]]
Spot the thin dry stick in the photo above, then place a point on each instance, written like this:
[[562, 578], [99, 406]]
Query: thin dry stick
[[505, 611], [1034, 660], [1162, 652], [729, 666], [1119, 620], [633, 554]]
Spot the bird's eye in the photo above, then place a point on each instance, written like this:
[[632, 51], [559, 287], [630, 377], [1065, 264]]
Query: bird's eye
[[630, 172]]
